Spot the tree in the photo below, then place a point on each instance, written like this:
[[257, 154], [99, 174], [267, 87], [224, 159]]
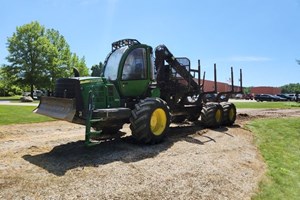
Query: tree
[[28, 48], [97, 69], [7, 88], [39, 56], [247, 90], [4, 82], [290, 88], [59, 60], [79, 64]]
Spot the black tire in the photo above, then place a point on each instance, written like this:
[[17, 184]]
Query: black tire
[[211, 115], [150, 121], [229, 113]]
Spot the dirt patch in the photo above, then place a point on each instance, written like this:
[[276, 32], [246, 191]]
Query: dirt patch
[[250, 114], [49, 161]]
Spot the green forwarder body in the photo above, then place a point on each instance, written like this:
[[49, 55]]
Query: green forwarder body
[[148, 89]]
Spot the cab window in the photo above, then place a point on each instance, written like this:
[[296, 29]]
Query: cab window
[[135, 65], [112, 65]]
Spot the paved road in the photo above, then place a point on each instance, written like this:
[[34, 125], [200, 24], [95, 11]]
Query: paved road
[[240, 100]]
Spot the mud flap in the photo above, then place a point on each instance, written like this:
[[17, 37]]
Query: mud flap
[[59, 108]]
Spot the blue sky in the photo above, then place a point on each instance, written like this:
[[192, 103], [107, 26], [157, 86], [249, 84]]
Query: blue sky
[[260, 36]]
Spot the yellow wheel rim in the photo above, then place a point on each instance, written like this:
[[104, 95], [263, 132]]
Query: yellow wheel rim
[[158, 121], [231, 114], [218, 116]]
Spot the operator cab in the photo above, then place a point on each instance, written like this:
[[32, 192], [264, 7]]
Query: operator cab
[[135, 65], [129, 67]]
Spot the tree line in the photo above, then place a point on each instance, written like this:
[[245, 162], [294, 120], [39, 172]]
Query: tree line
[[37, 58], [291, 88]]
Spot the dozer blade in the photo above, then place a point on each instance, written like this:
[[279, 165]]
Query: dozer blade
[[59, 108]]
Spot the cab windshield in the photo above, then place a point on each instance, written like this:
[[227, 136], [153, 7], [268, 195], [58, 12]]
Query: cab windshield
[[112, 65]]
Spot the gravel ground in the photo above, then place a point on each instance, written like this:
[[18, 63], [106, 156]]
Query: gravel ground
[[49, 161]]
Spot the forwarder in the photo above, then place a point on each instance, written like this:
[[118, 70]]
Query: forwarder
[[136, 88]]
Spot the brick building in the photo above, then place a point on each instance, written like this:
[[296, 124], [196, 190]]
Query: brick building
[[221, 87], [265, 90]]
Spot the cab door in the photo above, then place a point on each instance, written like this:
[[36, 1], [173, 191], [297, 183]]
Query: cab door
[[134, 78]]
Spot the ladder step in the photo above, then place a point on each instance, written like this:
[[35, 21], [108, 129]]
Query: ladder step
[[95, 133], [90, 144]]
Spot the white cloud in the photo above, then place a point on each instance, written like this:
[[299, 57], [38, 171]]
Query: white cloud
[[249, 58]]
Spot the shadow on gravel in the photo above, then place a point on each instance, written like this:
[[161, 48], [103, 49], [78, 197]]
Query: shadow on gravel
[[75, 155]]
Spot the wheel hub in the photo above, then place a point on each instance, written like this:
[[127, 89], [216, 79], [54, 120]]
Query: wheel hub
[[218, 115], [158, 121], [231, 114]]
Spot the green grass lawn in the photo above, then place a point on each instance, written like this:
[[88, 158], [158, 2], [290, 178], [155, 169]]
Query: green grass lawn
[[15, 99], [11, 99], [262, 105], [279, 143], [20, 115]]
